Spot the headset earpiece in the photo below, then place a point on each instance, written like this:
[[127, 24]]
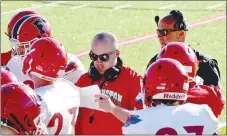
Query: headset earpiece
[[93, 73], [110, 74], [180, 22]]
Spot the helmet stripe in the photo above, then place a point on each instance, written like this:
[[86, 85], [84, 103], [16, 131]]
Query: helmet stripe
[[18, 25]]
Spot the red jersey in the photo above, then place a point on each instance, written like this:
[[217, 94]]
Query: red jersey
[[210, 95], [5, 57], [124, 92]]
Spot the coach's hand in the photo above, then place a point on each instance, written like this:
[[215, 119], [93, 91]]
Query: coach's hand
[[105, 103]]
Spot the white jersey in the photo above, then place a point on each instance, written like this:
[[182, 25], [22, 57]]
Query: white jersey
[[74, 74], [184, 119], [60, 103], [15, 66]]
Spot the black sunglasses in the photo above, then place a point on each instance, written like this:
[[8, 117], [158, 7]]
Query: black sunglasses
[[102, 57], [165, 32]]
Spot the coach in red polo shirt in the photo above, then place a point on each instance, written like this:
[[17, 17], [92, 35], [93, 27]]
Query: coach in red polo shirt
[[119, 82]]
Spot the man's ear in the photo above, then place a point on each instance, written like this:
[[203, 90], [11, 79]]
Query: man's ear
[[181, 35]]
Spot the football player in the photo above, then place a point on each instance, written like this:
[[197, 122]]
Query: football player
[[6, 56], [23, 29], [198, 93], [44, 64], [169, 84], [20, 111]]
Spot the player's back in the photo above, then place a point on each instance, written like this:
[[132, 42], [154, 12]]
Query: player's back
[[184, 119], [61, 101]]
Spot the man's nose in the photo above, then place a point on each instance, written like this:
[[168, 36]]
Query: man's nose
[[98, 60], [159, 35]]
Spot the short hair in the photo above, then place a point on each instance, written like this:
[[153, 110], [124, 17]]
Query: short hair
[[107, 36], [177, 17]]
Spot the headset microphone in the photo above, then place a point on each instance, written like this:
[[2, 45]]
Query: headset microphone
[[156, 19]]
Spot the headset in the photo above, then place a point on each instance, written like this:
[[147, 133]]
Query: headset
[[180, 22], [110, 74]]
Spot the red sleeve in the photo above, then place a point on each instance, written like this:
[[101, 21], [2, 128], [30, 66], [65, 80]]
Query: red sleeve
[[82, 82], [209, 95], [5, 57], [136, 98], [215, 100]]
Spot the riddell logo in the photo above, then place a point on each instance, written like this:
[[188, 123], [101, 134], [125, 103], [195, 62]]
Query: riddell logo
[[174, 96], [47, 78]]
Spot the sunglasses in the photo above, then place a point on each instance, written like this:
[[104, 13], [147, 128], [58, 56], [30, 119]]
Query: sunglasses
[[165, 32], [102, 57]]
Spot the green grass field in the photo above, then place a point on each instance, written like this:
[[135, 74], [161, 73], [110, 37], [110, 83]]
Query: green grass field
[[76, 28]]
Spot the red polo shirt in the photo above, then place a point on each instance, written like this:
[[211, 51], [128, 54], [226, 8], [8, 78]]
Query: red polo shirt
[[123, 92]]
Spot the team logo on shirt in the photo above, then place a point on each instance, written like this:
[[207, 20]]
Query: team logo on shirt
[[115, 97]]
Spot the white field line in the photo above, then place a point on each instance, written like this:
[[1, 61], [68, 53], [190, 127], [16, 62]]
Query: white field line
[[167, 6], [78, 7], [121, 7], [215, 6], [33, 7]]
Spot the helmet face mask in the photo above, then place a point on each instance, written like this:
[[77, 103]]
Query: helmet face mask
[[20, 49]]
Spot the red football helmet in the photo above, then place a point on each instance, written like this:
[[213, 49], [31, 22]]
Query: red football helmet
[[7, 77], [167, 79], [20, 109], [183, 53], [47, 59], [24, 28], [16, 17]]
